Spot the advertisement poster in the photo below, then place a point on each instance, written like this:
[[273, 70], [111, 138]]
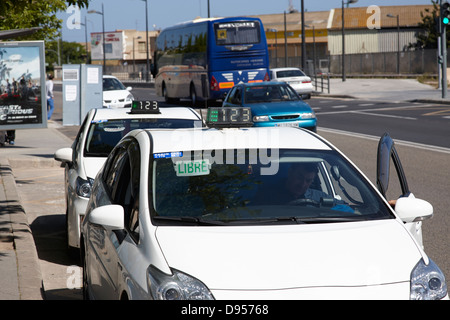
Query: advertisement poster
[[113, 45], [22, 85]]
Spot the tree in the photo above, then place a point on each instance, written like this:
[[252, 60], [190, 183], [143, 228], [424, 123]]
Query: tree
[[430, 25], [71, 52], [19, 14]]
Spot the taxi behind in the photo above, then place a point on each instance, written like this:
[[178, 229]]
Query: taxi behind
[[273, 104], [191, 214], [100, 131]]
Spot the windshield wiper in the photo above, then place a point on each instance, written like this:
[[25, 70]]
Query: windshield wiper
[[188, 219], [330, 219]]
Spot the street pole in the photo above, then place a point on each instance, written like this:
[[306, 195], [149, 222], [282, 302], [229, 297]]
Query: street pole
[[303, 37], [285, 42], [444, 62], [343, 43], [104, 44], [146, 40], [343, 37]]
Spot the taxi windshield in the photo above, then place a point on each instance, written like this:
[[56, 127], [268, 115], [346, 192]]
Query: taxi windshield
[[103, 135], [229, 187], [269, 93]]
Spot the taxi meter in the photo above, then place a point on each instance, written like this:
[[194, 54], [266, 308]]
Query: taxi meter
[[229, 117]]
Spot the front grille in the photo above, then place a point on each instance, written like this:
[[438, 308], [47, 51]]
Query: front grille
[[286, 117]]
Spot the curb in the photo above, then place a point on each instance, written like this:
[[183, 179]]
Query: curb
[[30, 280]]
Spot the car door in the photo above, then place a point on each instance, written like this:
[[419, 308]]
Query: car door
[[104, 242], [388, 164], [71, 171]]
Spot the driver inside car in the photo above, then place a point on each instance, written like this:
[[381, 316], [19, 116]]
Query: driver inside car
[[295, 189]]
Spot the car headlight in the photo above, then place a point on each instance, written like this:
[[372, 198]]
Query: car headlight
[[84, 187], [130, 97], [308, 115], [178, 286], [260, 118], [427, 282]]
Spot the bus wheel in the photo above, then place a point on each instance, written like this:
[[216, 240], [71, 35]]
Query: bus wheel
[[164, 92], [193, 95]]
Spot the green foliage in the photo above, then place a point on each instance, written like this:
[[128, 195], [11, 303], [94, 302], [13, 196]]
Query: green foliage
[[70, 52], [18, 14], [430, 25]]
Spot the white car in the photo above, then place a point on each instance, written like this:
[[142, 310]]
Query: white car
[[97, 136], [200, 214], [115, 94], [296, 78]]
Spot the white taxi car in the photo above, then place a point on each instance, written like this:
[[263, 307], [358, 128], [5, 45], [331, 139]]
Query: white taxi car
[[209, 214], [296, 78], [97, 136], [115, 94]]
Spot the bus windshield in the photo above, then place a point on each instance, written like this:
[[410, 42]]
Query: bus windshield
[[237, 33]]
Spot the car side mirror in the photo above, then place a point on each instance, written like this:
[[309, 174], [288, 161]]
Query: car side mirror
[[109, 216], [63, 155], [129, 88], [411, 209]]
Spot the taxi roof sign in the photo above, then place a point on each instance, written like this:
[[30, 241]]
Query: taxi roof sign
[[229, 117], [144, 107]]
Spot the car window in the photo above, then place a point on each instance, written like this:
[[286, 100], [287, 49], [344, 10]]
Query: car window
[[290, 73], [110, 84], [230, 96], [103, 135], [271, 93], [237, 96], [214, 187]]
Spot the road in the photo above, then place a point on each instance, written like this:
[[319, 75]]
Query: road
[[352, 125]]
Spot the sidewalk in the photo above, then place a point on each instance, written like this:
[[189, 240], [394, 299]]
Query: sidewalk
[[391, 90], [19, 265]]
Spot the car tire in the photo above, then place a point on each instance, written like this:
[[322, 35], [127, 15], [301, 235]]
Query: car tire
[[74, 253], [193, 95], [85, 288]]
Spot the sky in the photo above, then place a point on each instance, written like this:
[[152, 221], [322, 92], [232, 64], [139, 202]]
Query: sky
[[130, 14]]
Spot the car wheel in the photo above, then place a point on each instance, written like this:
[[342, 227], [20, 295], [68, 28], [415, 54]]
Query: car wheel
[[74, 252], [85, 277], [193, 95], [164, 92]]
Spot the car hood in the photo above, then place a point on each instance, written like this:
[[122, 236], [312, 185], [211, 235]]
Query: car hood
[[285, 107], [92, 166], [297, 256]]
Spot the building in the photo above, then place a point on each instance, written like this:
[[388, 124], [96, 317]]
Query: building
[[125, 52], [368, 30], [373, 39], [374, 42]]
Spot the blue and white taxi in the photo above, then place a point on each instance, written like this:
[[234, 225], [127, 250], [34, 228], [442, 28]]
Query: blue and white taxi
[[250, 213], [100, 131]]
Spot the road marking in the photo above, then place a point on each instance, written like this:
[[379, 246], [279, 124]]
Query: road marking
[[340, 106], [398, 142], [366, 104], [383, 115]]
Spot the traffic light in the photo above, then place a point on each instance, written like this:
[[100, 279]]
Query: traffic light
[[445, 13]]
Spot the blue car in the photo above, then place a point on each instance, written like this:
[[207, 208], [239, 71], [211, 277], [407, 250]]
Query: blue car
[[273, 104]]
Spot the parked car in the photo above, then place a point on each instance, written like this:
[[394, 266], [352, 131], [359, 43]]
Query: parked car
[[97, 136], [272, 104], [296, 78], [115, 94], [196, 216]]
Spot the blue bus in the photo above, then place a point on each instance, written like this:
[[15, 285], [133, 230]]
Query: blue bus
[[204, 58]]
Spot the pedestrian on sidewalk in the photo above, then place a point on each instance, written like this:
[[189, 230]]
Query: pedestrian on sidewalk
[[50, 103]]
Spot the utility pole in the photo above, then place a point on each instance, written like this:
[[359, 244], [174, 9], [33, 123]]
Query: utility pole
[[444, 21]]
